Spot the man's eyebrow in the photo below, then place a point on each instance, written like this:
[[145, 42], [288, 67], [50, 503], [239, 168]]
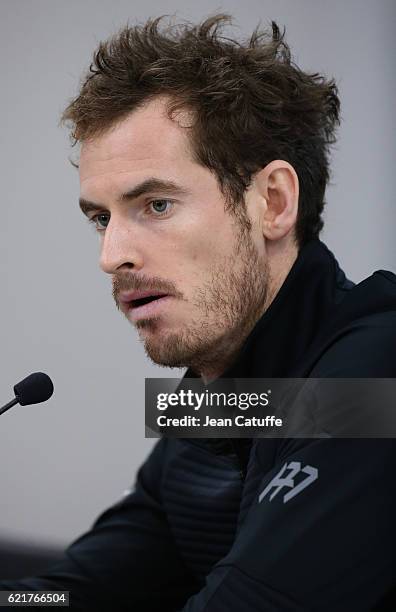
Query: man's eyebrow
[[148, 186]]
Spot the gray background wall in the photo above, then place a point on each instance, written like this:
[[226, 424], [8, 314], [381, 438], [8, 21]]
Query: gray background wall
[[64, 461]]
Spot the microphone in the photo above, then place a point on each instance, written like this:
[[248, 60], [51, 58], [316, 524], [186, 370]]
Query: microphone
[[33, 389]]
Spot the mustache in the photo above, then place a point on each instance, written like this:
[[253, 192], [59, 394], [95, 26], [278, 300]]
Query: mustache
[[134, 283]]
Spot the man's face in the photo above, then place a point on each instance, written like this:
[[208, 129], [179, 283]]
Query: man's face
[[177, 242]]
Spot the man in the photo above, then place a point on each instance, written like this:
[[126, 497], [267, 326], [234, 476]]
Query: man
[[203, 167]]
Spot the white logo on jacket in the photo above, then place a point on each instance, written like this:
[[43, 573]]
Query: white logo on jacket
[[281, 480]]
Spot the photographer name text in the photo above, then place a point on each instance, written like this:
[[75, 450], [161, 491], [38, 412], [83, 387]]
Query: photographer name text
[[239, 421]]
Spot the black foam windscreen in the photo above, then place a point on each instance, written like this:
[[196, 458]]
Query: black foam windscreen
[[33, 389]]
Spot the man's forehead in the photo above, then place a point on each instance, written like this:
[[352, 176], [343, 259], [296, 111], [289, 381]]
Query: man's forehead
[[145, 134]]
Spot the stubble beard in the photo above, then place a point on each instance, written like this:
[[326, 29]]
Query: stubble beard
[[229, 305]]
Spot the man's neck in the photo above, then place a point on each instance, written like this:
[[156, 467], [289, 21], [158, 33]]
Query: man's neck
[[279, 269]]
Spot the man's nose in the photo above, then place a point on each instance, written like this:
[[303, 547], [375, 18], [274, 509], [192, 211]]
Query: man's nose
[[119, 248]]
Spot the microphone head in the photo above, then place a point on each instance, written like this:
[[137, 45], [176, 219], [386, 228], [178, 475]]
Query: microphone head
[[33, 389]]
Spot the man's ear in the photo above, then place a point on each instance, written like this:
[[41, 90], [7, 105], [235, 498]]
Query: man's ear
[[277, 183]]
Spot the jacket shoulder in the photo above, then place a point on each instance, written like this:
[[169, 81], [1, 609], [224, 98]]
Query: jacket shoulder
[[364, 348]]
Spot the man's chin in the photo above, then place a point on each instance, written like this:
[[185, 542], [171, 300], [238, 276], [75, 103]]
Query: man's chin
[[164, 347], [168, 354]]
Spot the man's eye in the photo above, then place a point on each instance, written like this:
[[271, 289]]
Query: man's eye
[[159, 208], [100, 221]]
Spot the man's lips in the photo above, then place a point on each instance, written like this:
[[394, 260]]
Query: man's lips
[[128, 297], [131, 304]]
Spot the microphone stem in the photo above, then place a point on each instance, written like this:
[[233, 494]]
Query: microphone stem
[[9, 405]]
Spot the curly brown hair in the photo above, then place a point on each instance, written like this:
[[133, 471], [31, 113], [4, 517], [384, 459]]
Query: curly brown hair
[[251, 103]]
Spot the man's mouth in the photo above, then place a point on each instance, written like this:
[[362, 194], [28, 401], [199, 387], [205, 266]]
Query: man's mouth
[[143, 304], [139, 296], [145, 300]]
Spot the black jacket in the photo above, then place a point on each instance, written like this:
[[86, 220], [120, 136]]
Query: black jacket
[[193, 535]]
